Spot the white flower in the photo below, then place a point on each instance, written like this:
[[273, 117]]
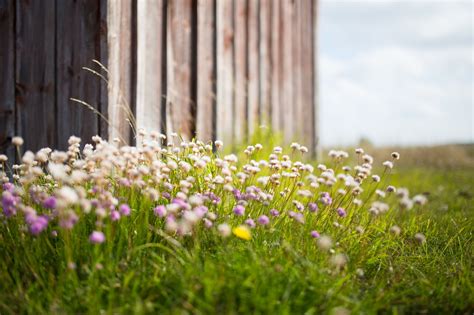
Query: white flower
[[420, 238], [17, 141], [224, 229], [324, 242], [420, 200], [67, 195], [395, 230]]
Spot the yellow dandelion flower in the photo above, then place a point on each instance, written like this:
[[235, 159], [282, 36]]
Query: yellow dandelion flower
[[242, 232]]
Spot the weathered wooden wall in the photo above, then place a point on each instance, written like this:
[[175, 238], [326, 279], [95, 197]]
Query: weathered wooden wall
[[212, 68], [230, 66], [45, 44]]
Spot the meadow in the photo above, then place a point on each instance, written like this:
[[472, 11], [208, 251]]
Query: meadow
[[189, 228]]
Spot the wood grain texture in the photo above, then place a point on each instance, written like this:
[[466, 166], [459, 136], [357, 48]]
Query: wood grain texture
[[35, 73], [240, 70], [277, 66], [149, 64], [225, 70], [287, 109], [104, 56], [7, 77], [307, 85], [265, 67], [179, 102], [78, 43], [315, 147], [253, 93], [296, 70], [206, 80], [120, 65]]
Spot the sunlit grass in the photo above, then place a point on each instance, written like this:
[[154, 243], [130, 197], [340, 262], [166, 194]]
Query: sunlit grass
[[171, 257]]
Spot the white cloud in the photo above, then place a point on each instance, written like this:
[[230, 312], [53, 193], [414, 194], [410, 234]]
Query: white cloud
[[398, 73]]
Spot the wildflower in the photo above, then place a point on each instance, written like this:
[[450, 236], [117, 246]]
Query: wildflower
[[395, 230], [420, 238], [324, 242], [360, 272], [224, 229], [242, 232], [376, 178], [274, 212], [359, 151], [38, 224], [50, 203], [388, 164], [395, 155], [195, 200], [341, 212], [326, 198], [313, 207], [200, 211], [239, 210], [263, 220], [67, 195], [97, 237], [218, 144], [160, 211], [9, 203], [420, 200], [391, 189], [339, 261], [68, 220], [295, 146], [250, 223], [115, 215], [124, 209], [171, 224], [406, 203], [17, 141], [314, 234]]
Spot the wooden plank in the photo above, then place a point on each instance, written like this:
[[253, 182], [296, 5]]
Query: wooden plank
[[253, 109], [104, 53], [240, 74], [276, 74], [287, 109], [78, 43], [316, 148], [206, 79], [120, 65], [265, 66], [307, 84], [179, 102], [225, 69], [35, 76], [296, 71], [7, 77], [149, 64]]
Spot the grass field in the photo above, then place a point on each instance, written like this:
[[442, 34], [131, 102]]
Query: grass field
[[145, 267]]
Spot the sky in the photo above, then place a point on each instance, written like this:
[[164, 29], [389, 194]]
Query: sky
[[398, 72]]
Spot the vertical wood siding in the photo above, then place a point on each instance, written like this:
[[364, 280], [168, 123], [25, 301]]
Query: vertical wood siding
[[45, 45], [215, 69]]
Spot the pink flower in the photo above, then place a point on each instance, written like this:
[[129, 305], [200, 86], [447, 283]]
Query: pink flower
[[97, 237], [263, 220]]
